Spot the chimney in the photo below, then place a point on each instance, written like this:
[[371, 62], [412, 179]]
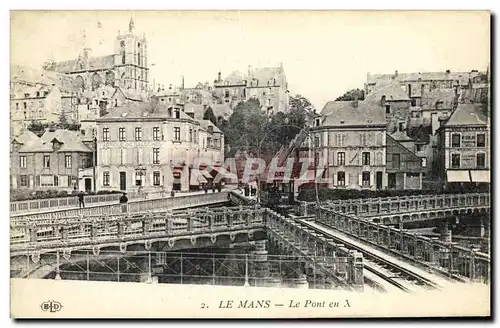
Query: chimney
[[448, 72], [382, 101], [434, 123], [86, 53], [396, 74], [355, 102], [170, 87], [219, 78]]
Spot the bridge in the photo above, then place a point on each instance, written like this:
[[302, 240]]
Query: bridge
[[332, 245]]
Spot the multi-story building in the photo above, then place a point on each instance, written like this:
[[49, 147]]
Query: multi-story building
[[49, 162], [396, 104], [417, 84], [464, 146], [151, 146], [404, 168], [268, 85], [352, 137], [126, 67]]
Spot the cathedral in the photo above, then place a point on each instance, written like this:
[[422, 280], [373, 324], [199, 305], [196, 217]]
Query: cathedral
[[126, 68]]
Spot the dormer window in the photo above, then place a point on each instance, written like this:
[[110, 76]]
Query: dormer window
[[318, 122]]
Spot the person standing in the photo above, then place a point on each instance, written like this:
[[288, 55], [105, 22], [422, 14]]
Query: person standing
[[123, 201], [80, 199]]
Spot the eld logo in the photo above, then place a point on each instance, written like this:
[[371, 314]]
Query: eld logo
[[51, 306]]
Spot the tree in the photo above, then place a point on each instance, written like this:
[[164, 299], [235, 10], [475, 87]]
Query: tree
[[351, 95], [209, 115]]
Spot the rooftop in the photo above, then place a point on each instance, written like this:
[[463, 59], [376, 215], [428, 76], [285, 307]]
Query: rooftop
[[346, 113], [392, 92], [140, 110], [468, 114]]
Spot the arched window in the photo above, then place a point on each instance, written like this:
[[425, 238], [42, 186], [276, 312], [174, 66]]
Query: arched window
[[122, 79], [122, 51], [96, 81], [139, 54], [79, 83], [110, 78]]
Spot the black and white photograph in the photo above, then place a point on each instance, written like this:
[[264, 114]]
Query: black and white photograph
[[250, 164]]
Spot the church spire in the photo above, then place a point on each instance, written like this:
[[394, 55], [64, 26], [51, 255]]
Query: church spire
[[131, 24]]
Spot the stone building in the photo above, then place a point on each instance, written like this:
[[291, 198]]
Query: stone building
[[395, 103], [126, 67], [404, 168], [352, 138], [152, 146], [50, 162], [464, 145], [267, 84]]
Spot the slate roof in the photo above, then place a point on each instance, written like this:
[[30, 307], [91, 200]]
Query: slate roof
[[140, 110], [344, 113], [223, 110], [265, 74], [236, 77], [401, 136], [392, 92], [462, 77], [100, 62], [26, 137], [70, 142], [429, 99], [206, 123], [467, 114]]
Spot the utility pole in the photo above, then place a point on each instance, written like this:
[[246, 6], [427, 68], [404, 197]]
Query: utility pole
[[95, 162]]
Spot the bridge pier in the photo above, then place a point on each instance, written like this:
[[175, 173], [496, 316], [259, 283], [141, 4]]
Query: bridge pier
[[445, 232], [260, 265]]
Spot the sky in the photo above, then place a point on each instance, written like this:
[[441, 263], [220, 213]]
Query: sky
[[324, 53]]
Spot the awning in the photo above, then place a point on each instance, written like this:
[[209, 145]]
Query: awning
[[177, 176], [458, 176], [196, 178], [480, 176], [193, 180], [206, 175]]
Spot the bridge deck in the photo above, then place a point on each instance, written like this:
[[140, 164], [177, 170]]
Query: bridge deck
[[443, 282]]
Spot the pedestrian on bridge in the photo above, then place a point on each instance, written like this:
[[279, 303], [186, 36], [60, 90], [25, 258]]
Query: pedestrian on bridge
[[80, 199], [123, 201]]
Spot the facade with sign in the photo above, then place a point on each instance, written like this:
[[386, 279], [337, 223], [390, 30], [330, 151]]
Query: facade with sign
[[150, 147], [352, 140], [465, 145]]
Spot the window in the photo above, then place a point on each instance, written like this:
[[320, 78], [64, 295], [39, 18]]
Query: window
[[455, 140], [190, 135], [424, 162], [138, 134], [480, 140], [413, 102], [67, 161], [455, 161], [156, 155], [395, 161], [177, 113], [25, 105], [177, 133], [156, 178], [122, 135], [340, 158], [105, 178], [316, 141], [366, 158], [419, 147], [138, 178], [366, 179], [105, 134], [22, 162], [56, 181], [226, 93], [340, 178], [480, 160], [156, 133], [387, 109], [340, 139], [123, 156], [46, 161], [23, 181], [17, 106], [195, 136], [401, 126], [362, 139]]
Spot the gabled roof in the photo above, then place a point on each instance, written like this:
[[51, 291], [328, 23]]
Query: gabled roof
[[265, 74], [467, 114], [26, 137], [206, 123], [141, 110], [345, 113], [462, 77], [130, 94], [236, 77], [401, 137], [100, 62], [392, 92]]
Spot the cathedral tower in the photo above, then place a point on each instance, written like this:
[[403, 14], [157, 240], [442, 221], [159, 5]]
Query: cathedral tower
[[130, 60]]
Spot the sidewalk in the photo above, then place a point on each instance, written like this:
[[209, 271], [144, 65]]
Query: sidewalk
[[91, 205]]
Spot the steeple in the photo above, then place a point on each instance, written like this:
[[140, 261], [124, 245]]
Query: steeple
[[131, 24]]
